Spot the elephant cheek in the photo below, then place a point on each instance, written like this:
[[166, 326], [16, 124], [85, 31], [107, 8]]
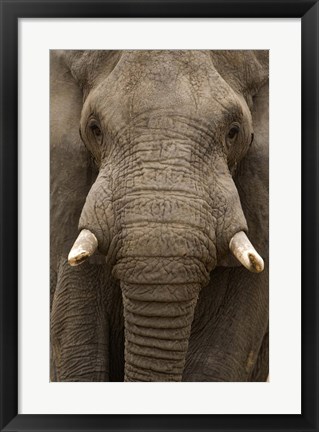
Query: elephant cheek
[[97, 214]]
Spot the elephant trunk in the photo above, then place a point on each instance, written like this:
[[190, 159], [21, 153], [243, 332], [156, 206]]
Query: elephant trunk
[[161, 269], [157, 331]]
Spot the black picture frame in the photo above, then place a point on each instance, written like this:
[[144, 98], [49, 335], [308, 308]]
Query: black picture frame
[[11, 11]]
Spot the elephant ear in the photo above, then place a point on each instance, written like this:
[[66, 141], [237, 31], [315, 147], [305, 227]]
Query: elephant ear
[[252, 175], [247, 73], [71, 169]]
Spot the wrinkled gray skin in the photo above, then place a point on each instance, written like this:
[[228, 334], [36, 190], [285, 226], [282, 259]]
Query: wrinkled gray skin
[[163, 183]]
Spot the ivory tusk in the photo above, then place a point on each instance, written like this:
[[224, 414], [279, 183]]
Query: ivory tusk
[[245, 252], [84, 246]]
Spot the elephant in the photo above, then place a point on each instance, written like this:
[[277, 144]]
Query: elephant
[[159, 257]]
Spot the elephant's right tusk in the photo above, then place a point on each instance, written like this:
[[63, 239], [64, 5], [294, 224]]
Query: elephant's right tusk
[[245, 252], [84, 246]]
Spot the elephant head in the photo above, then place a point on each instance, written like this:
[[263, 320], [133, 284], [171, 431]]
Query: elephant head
[[168, 131]]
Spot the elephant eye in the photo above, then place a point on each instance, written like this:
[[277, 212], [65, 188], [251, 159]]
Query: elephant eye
[[251, 139], [233, 132], [95, 130]]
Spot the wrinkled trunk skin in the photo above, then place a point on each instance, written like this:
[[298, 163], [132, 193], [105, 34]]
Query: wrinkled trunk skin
[[165, 239], [162, 246], [156, 332], [162, 267]]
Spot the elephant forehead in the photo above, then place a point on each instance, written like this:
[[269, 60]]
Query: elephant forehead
[[161, 65], [185, 83]]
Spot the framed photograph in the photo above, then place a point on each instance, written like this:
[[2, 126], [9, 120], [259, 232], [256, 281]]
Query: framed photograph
[[159, 215]]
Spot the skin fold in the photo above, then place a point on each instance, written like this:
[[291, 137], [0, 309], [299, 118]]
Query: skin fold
[[163, 156]]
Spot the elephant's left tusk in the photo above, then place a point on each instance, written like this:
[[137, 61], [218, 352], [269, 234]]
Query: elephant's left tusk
[[84, 246], [245, 252]]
